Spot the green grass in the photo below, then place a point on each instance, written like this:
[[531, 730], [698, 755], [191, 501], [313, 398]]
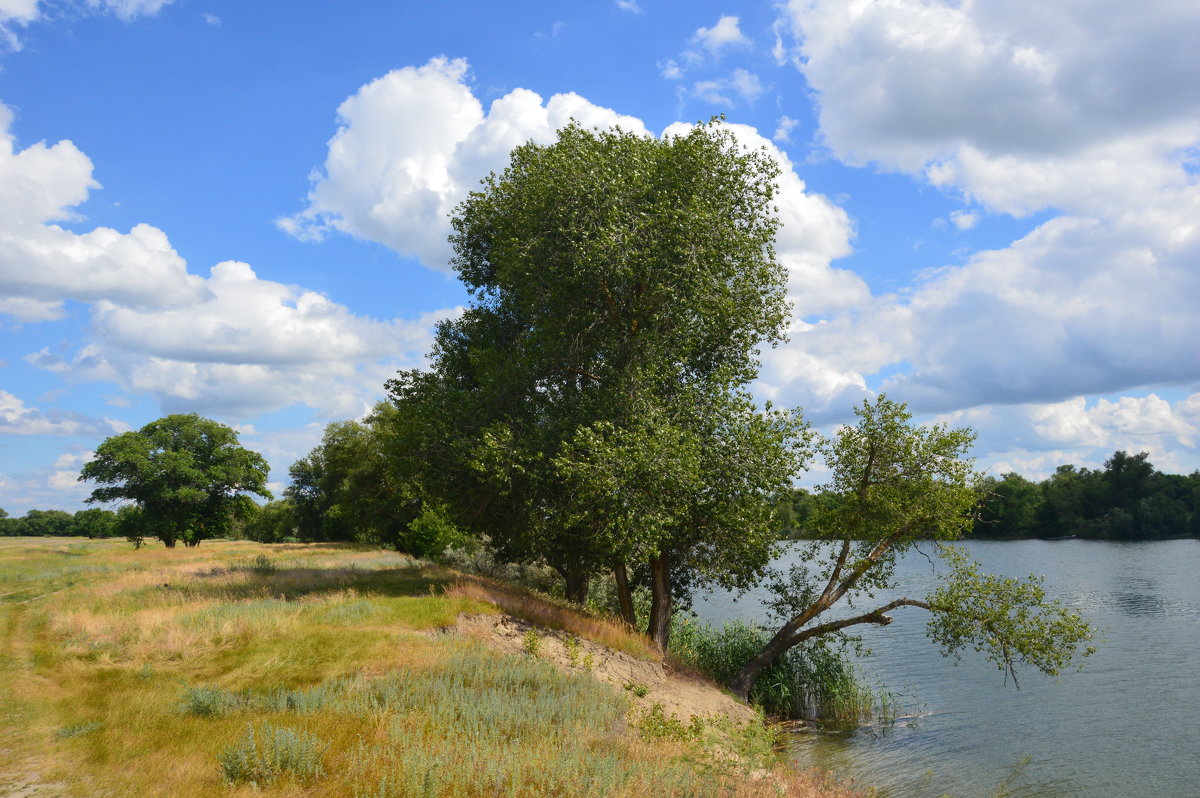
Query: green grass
[[239, 669]]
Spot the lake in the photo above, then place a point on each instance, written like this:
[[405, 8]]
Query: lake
[[1127, 725]]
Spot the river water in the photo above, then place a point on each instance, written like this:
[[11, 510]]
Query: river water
[[1127, 725]]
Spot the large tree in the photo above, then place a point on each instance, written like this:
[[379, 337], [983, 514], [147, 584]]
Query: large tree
[[621, 287], [894, 485], [186, 476]]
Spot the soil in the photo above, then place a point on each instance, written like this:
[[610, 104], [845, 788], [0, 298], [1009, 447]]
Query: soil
[[681, 694]]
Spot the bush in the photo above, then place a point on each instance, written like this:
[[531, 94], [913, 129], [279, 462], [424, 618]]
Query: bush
[[272, 752]]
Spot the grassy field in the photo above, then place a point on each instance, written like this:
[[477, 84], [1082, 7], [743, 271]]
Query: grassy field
[[240, 669]]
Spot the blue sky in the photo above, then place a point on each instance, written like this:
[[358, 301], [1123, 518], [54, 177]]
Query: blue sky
[[990, 208]]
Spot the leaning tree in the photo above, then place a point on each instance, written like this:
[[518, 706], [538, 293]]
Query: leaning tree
[[186, 476], [893, 486]]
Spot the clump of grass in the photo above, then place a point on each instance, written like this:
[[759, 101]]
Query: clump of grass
[[263, 566], [207, 702], [532, 643], [639, 690], [269, 753], [554, 614], [78, 730], [809, 681]]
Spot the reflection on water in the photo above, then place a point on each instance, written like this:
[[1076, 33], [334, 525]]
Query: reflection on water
[[1125, 726]]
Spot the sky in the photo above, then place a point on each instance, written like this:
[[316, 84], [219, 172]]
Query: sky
[[990, 208]]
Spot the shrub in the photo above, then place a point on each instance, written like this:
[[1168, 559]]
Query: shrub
[[272, 752]]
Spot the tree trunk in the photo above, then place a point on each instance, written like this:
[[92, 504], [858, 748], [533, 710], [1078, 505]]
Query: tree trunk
[[789, 636], [744, 681], [624, 596], [169, 542], [577, 585], [660, 601]]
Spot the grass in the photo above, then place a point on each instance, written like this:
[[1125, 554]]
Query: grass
[[554, 613], [239, 669]]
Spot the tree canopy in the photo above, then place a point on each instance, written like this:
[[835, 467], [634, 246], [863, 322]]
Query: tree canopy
[[360, 484], [186, 476], [892, 485], [621, 287]]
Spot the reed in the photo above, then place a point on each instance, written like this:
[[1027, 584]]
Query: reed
[[813, 682]]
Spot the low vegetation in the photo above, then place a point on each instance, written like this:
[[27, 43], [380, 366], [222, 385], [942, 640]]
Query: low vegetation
[[813, 682], [241, 669]]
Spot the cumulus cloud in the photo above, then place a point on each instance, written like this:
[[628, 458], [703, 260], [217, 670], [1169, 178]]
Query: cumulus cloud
[[1034, 439], [42, 264], [411, 144], [231, 342], [387, 183], [904, 82], [18, 419], [251, 346], [723, 35], [1088, 113], [246, 320], [964, 220]]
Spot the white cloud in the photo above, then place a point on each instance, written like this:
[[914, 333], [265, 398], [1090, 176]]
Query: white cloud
[[30, 310], [964, 220], [212, 19], [1034, 439], [14, 13], [17, 419], [630, 6], [41, 264], [671, 70], [23, 12], [721, 36], [246, 320], [740, 82], [412, 143], [19, 10], [904, 82], [1088, 112], [783, 131], [130, 9], [232, 341], [390, 184]]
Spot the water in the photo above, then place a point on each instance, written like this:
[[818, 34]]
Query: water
[[1128, 725]]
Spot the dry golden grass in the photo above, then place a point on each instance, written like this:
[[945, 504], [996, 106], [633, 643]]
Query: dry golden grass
[[552, 614], [132, 673]]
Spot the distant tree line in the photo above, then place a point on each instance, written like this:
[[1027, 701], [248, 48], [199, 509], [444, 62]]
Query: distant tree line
[[1126, 500], [91, 523]]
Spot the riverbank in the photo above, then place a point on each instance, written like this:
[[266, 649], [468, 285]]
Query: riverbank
[[332, 670]]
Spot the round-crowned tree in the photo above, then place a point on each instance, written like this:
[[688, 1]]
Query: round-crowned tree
[[186, 476]]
